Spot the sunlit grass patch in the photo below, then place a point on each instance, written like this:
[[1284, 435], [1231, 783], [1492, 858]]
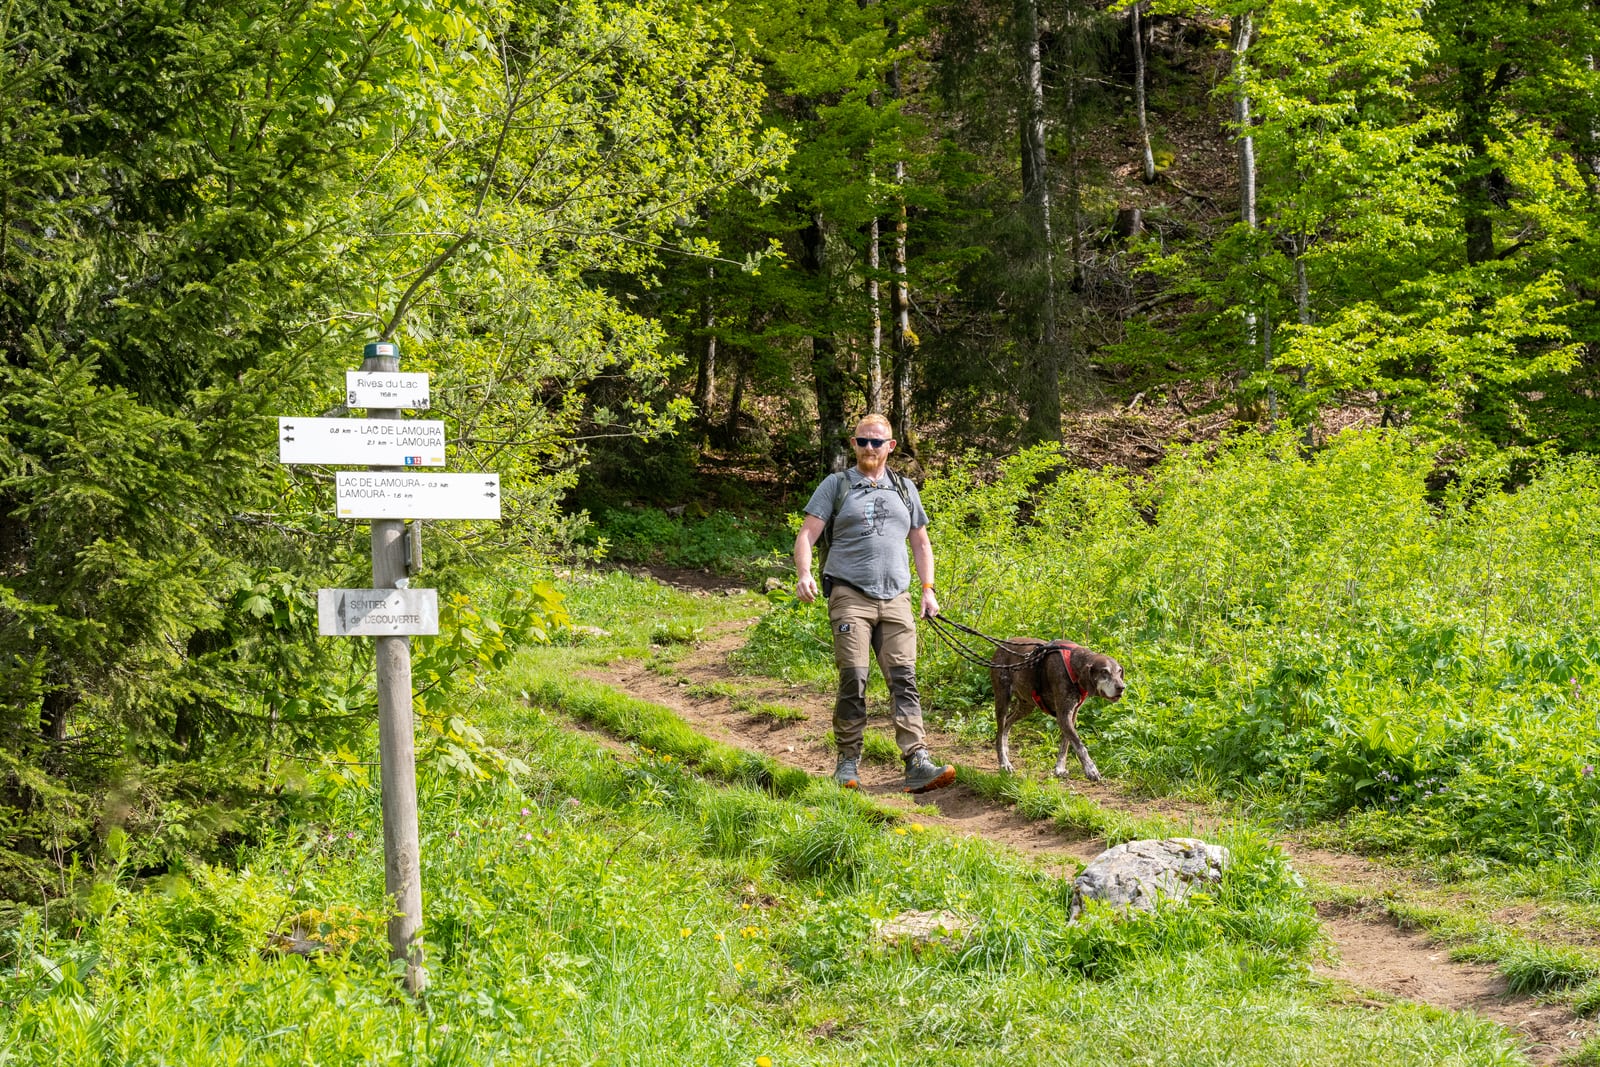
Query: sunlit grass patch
[[712, 690], [1071, 812], [667, 902], [877, 747], [768, 711]]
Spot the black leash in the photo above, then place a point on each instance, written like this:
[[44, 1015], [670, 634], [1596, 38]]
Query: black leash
[[946, 628]]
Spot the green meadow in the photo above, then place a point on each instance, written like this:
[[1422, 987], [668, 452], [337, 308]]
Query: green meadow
[[1329, 645]]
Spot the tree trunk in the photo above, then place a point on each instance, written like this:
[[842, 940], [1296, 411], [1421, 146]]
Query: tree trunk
[[1476, 190], [55, 710], [875, 323], [730, 425], [1043, 386], [705, 387], [1139, 90], [1592, 141], [1242, 29], [902, 339], [826, 379]]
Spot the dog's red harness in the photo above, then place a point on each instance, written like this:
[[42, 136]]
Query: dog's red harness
[[1066, 648]]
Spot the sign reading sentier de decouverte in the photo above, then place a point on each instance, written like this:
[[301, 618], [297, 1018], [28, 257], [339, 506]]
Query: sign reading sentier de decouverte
[[375, 442], [377, 612]]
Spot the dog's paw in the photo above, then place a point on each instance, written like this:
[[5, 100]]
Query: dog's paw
[[1061, 772], [1006, 768], [1091, 773]]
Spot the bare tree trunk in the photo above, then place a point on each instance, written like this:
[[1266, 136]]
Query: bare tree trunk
[[705, 387], [826, 379], [730, 424], [55, 710], [1592, 156], [875, 323], [902, 339], [1043, 388], [1139, 78], [1242, 29], [1302, 307]]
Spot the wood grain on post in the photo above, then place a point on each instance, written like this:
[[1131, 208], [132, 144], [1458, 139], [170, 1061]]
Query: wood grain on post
[[402, 864]]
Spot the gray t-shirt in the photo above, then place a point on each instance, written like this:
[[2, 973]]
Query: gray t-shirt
[[870, 531]]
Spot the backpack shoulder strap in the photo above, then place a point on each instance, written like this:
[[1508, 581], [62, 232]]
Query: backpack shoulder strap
[[899, 484], [841, 489]]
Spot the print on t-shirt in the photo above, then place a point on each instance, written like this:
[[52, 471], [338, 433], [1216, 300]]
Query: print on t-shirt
[[874, 516]]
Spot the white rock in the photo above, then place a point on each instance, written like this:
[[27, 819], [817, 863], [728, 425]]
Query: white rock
[[1139, 873]]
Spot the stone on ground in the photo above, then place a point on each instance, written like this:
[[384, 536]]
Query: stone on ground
[[1137, 874]]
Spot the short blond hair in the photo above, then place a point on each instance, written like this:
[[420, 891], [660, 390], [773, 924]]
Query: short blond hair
[[874, 419]]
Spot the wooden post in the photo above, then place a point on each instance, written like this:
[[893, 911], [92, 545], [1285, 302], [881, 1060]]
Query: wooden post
[[402, 866]]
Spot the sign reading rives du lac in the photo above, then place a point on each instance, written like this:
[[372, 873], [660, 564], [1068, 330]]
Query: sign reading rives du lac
[[375, 389]]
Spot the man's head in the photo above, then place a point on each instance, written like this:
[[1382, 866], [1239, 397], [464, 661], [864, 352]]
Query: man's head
[[873, 441]]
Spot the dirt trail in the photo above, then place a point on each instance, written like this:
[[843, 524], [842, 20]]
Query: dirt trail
[[1371, 954]]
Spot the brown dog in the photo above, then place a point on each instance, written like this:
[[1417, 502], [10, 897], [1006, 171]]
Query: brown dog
[[1057, 677]]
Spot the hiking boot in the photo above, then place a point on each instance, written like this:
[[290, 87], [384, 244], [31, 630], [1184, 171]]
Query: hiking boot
[[844, 773], [922, 774]]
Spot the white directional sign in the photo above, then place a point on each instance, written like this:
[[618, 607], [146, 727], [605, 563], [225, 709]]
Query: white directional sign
[[379, 442], [375, 389], [377, 612], [404, 495]]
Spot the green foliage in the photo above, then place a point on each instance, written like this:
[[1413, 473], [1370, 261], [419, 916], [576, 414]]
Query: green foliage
[[792, 641], [1310, 634], [720, 542], [208, 208], [607, 898]]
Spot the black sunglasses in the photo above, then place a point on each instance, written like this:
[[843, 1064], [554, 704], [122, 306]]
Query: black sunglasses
[[872, 442]]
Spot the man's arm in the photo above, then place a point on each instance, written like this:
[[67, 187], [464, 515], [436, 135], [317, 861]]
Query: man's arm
[[922, 553], [806, 586]]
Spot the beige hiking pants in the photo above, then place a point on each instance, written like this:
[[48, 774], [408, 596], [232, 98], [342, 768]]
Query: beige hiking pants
[[863, 627]]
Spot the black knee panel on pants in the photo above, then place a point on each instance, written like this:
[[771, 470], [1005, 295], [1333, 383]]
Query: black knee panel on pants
[[851, 703], [903, 685]]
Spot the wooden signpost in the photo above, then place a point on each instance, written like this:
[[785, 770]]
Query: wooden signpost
[[390, 612]]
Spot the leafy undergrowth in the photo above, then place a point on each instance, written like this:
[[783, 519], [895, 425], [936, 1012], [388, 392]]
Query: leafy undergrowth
[[1325, 641], [627, 907], [721, 542]]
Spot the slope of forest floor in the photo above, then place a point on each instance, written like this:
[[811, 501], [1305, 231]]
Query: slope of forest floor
[[1371, 953]]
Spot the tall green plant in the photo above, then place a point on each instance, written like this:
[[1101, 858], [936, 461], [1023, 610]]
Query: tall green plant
[[1317, 633]]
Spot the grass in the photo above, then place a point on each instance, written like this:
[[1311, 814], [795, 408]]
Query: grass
[[750, 546], [876, 747], [768, 711], [665, 899], [712, 691]]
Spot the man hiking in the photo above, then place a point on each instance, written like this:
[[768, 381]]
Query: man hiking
[[872, 513]]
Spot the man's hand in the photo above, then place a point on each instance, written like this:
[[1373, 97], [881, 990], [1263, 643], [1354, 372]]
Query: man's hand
[[930, 604], [806, 588]]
